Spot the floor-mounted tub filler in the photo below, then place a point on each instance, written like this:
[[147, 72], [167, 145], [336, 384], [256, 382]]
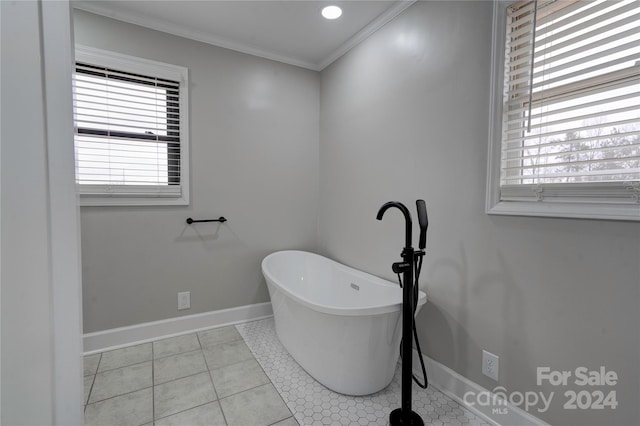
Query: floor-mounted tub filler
[[343, 326], [410, 268]]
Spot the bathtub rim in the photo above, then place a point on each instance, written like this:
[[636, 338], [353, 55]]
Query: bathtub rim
[[339, 311]]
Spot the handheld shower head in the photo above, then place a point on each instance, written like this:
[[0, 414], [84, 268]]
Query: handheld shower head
[[423, 221]]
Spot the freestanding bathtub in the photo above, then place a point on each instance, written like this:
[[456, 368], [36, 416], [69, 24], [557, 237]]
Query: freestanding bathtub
[[343, 326]]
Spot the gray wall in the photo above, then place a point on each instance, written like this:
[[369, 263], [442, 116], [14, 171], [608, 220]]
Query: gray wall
[[254, 159], [404, 115]]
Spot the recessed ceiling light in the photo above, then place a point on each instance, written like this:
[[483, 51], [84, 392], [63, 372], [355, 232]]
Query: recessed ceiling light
[[331, 12]]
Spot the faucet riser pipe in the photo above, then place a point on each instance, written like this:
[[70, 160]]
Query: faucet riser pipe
[[404, 415], [407, 328]]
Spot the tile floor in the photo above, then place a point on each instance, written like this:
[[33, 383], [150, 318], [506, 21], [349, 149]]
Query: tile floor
[[205, 378], [237, 376]]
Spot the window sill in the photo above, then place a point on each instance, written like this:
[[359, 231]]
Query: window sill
[[625, 212], [93, 201]]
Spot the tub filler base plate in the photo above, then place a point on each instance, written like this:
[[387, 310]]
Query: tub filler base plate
[[395, 419]]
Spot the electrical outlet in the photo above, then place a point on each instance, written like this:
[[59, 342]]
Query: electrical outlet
[[184, 300], [490, 365]]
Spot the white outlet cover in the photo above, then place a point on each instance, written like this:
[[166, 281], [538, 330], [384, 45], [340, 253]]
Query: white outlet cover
[[490, 365], [184, 300]]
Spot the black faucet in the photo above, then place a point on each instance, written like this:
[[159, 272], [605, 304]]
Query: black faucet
[[407, 218], [405, 416], [423, 220]]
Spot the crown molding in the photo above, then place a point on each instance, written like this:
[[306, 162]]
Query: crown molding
[[204, 37], [366, 32], [181, 31]]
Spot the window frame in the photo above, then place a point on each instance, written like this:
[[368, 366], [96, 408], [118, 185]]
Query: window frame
[[134, 195], [563, 207]]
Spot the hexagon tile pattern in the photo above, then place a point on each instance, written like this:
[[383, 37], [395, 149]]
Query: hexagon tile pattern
[[313, 404]]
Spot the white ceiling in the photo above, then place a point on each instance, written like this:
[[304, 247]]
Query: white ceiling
[[291, 31]]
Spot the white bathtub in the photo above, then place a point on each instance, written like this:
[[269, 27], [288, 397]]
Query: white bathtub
[[343, 326]]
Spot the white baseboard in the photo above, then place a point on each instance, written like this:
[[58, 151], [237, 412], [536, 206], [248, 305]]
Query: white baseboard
[[141, 333], [456, 386]]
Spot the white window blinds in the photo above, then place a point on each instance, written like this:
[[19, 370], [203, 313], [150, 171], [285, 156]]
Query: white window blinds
[[129, 140], [571, 109]]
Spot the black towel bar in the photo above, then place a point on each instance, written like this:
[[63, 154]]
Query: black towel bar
[[220, 219]]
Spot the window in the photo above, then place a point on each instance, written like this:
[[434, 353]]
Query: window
[[565, 129], [131, 138]]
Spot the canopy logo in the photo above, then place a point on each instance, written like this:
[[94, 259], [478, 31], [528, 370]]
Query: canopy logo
[[499, 399], [593, 395]]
